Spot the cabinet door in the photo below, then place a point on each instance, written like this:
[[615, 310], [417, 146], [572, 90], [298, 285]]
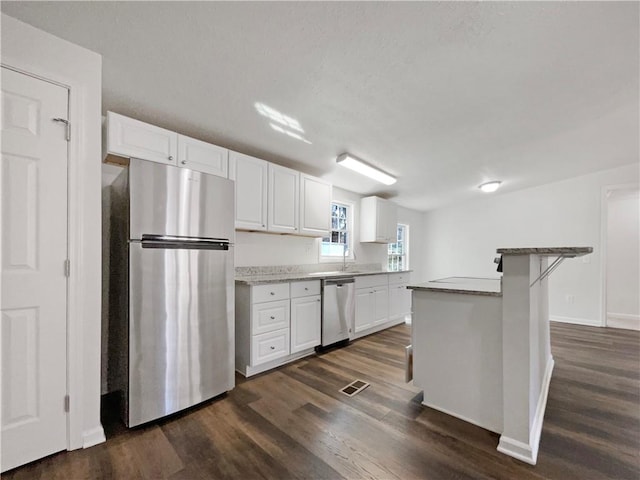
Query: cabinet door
[[284, 184], [128, 138], [269, 346], [381, 305], [315, 206], [250, 175], [269, 316], [386, 222], [202, 157], [397, 301], [305, 323], [364, 309]]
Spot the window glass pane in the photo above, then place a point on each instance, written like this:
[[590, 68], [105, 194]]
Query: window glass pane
[[337, 243]]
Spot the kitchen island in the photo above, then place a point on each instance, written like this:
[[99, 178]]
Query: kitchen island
[[481, 347]]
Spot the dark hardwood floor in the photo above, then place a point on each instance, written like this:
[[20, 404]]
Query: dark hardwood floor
[[293, 423]]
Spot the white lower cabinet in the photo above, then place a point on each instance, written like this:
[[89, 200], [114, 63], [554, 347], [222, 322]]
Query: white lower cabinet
[[269, 346], [381, 302], [275, 324], [381, 305], [399, 295], [364, 309], [305, 323]]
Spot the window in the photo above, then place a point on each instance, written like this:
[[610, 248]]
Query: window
[[338, 243], [399, 251]]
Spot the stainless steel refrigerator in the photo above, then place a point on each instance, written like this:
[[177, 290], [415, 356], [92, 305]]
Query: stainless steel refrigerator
[[171, 315]]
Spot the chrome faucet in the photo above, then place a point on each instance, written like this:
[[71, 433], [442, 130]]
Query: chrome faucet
[[344, 257]]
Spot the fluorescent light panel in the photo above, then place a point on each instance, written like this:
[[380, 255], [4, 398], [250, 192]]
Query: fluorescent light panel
[[490, 187], [362, 168]]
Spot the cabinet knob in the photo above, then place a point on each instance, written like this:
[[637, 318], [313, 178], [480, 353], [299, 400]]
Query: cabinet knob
[[184, 162], [305, 288], [272, 347], [317, 300], [272, 293], [272, 317], [170, 157]]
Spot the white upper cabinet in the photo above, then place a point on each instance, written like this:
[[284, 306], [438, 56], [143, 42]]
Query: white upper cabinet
[[250, 175], [378, 220], [126, 137], [315, 206], [129, 138], [202, 157], [283, 191]]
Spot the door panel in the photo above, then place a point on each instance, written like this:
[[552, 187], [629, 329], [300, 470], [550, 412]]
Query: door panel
[[34, 286], [181, 329]]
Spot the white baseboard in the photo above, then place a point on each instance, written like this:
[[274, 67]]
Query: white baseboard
[[576, 321], [528, 452], [93, 437], [623, 320], [517, 449]]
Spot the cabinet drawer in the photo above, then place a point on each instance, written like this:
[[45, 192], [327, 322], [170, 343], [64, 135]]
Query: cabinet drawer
[[269, 316], [269, 346], [367, 281], [401, 277], [305, 288], [270, 292]]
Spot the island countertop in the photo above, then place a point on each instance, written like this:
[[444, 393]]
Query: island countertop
[[465, 285], [550, 251]]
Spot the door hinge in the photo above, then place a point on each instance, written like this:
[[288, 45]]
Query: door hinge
[[66, 403], [67, 268], [67, 124]]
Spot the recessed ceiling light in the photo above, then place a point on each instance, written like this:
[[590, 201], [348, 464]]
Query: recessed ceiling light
[[490, 186], [362, 168]]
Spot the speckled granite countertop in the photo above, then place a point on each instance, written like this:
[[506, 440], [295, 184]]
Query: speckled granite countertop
[[275, 274], [466, 285], [551, 251]]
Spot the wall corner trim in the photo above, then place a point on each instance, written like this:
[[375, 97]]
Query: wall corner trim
[[528, 453]]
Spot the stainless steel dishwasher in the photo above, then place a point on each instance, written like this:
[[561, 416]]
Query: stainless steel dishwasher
[[338, 310]]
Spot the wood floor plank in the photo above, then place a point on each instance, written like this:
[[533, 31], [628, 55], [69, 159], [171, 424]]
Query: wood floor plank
[[293, 423]]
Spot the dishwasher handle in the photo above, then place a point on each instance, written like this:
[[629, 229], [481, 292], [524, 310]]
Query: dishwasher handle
[[338, 282]]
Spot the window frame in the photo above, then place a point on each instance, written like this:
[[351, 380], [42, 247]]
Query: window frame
[[405, 242], [350, 234]]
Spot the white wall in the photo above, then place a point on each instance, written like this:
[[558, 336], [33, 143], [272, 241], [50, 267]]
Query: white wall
[[34, 51], [417, 244], [623, 254], [260, 249], [462, 240]]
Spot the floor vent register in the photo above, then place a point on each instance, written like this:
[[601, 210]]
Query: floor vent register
[[354, 388]]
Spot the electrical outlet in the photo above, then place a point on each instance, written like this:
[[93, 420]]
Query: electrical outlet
[[570, 299], [586, 259]]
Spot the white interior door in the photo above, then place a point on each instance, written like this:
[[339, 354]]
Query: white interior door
[[34, 284]]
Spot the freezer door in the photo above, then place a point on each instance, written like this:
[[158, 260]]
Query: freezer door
[[173, 201], [181, 329]]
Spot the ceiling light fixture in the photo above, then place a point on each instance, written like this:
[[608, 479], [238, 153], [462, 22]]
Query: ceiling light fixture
[[490, 187], [362, 168]]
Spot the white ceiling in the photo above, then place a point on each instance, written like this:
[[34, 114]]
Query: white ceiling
[[444, 95]]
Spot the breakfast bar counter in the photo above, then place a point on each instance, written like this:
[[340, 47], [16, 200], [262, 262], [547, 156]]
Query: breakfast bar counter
[[481, 346]]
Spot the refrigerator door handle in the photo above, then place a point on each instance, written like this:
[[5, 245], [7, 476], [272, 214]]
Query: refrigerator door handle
[[190, 243]]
